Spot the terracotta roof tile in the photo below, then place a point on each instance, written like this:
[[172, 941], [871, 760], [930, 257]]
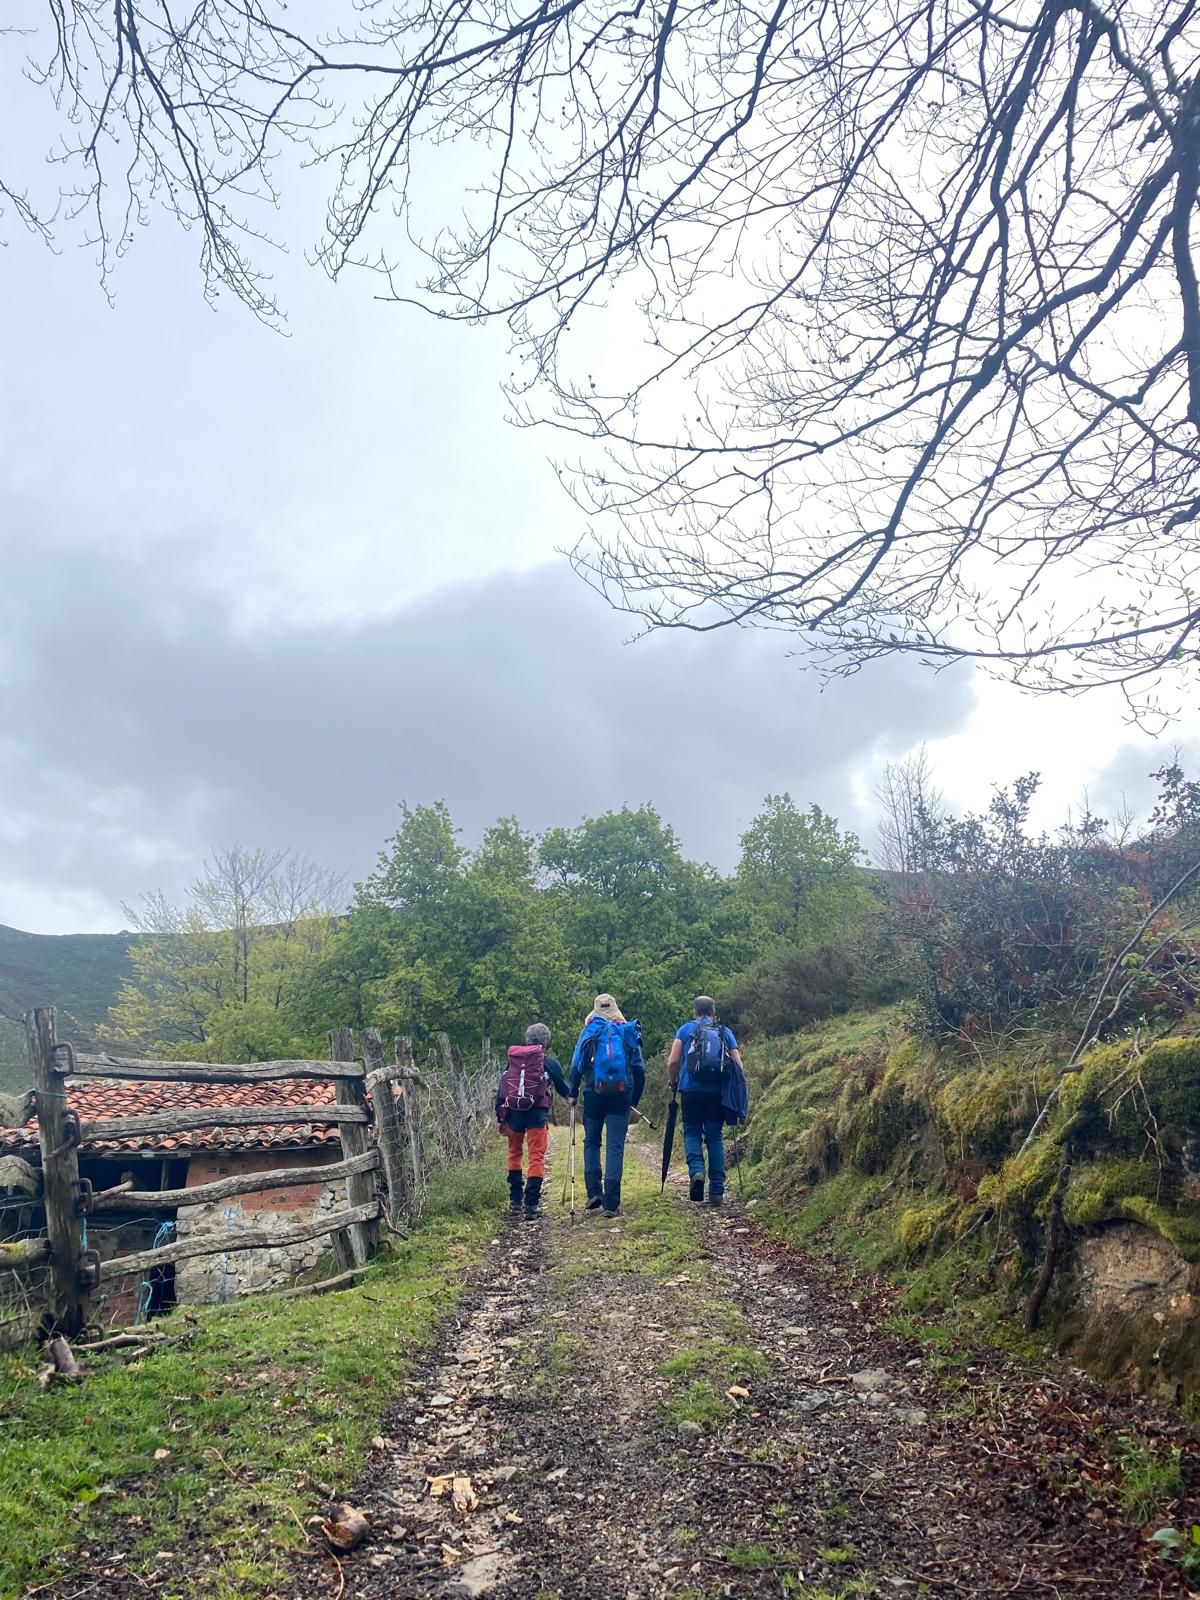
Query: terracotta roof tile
[[94, 1098]]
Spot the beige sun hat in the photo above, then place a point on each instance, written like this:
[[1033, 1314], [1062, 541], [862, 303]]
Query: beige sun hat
[[605, 1006]]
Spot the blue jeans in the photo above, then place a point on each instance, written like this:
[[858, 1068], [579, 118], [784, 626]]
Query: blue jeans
[[705, 1126], [614, 1125]]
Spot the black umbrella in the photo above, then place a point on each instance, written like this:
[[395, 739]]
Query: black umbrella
[[669, 1136]]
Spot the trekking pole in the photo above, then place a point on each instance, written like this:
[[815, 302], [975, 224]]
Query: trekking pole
[[572, 1163], [644, 1118], [563, 1201], [737, 1161]]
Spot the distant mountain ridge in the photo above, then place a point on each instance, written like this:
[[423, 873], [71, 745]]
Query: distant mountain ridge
[[79, 973]]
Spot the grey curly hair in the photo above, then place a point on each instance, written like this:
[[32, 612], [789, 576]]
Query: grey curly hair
[[537, 1033]]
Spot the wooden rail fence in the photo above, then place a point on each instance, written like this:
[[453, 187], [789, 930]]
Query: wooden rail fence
[[395, 1125]]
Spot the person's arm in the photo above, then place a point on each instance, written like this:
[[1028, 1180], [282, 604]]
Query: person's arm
[[673, 1061], [731, 1049], [555, 1072], [576, 1069]]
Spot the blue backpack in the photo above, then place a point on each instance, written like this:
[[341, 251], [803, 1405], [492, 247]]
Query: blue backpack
[[614, 1050], [706, 1059]]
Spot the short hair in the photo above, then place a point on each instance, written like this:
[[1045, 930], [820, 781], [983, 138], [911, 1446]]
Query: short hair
[[704, 1006], [537, 1033]]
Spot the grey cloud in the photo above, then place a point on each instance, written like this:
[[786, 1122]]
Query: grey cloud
[[1126, 784], [139, 725]]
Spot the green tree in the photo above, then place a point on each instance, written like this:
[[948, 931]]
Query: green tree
[[640, 920], [799, 877], [443, 939], [214, 978]]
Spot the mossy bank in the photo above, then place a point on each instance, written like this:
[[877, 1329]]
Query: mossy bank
[[903, 1157]]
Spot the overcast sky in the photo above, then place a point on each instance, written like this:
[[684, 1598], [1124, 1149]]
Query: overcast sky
[[260, 588]]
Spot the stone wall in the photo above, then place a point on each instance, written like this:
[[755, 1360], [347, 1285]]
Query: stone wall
[[222, 1277]]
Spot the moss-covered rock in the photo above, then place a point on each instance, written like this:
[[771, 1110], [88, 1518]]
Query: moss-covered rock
[[1098, 1190], [921, 1225], [891, 1150]]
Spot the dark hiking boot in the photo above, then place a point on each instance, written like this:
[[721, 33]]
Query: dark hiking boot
[[612, 1199], [533, 1197], [716, 1199], [696, 1192], [516, 1189], [594, 1203]]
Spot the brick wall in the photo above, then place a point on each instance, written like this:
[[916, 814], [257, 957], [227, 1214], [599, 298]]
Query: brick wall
[[223, 1276]]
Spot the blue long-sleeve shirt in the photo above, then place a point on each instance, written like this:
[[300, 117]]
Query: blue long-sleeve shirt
[[597, 1105]]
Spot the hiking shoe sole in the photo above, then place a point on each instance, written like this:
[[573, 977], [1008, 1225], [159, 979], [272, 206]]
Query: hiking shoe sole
[[696, 1192]]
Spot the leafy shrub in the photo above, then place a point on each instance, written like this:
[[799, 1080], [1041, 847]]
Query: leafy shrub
[[1000, 928], [787, 990]]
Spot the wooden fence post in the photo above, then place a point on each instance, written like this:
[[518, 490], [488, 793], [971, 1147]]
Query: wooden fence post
[[361, 1238], [388, 1131], [412, 1123], [57, 1134], [456, 1079]]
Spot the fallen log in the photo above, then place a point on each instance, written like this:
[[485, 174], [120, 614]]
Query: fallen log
[[321, 1286], [119, 1341], [61, 1363]]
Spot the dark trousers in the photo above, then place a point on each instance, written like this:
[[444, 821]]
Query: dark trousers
[[613, 1126]]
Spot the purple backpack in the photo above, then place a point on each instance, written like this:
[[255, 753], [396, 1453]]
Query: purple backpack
[[523, 1083]]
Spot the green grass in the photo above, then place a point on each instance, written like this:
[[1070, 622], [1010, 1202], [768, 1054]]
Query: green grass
[[264, 1414], [715, 1359], [759, 1558], [654, 1238], [699, 1403], [1150, 1479]]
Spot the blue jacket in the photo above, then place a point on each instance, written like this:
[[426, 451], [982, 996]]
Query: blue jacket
[[595, 1105], [735, 1091]]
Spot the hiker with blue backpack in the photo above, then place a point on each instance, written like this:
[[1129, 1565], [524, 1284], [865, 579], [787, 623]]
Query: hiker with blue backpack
[[523, 1113], [608, 1065], [705, 1068]]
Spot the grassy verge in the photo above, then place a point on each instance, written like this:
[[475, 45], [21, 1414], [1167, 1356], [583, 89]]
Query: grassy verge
[[655, 1237], [204, 1459]]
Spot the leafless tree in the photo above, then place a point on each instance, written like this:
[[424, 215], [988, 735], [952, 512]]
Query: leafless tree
[[917, 281], [910, 802]]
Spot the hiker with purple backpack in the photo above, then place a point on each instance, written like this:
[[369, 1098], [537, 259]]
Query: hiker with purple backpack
[[608, 1065], [523, 1113]]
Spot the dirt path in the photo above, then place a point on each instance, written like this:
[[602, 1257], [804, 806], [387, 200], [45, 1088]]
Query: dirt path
[[671, 1405]]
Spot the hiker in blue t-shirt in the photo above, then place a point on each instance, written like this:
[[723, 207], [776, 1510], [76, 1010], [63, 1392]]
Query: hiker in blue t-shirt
[[698, 1068], [609, 1066]]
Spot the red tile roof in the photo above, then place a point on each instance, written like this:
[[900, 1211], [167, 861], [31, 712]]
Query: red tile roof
[[93, 1098]]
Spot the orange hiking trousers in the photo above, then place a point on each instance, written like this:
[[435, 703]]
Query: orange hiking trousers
[[537, 1150]]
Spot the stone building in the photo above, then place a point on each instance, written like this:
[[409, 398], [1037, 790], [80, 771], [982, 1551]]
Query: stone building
[[185, 1161]]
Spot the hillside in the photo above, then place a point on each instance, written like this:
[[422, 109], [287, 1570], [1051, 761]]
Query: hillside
[[878, 1148], [80, 973]]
